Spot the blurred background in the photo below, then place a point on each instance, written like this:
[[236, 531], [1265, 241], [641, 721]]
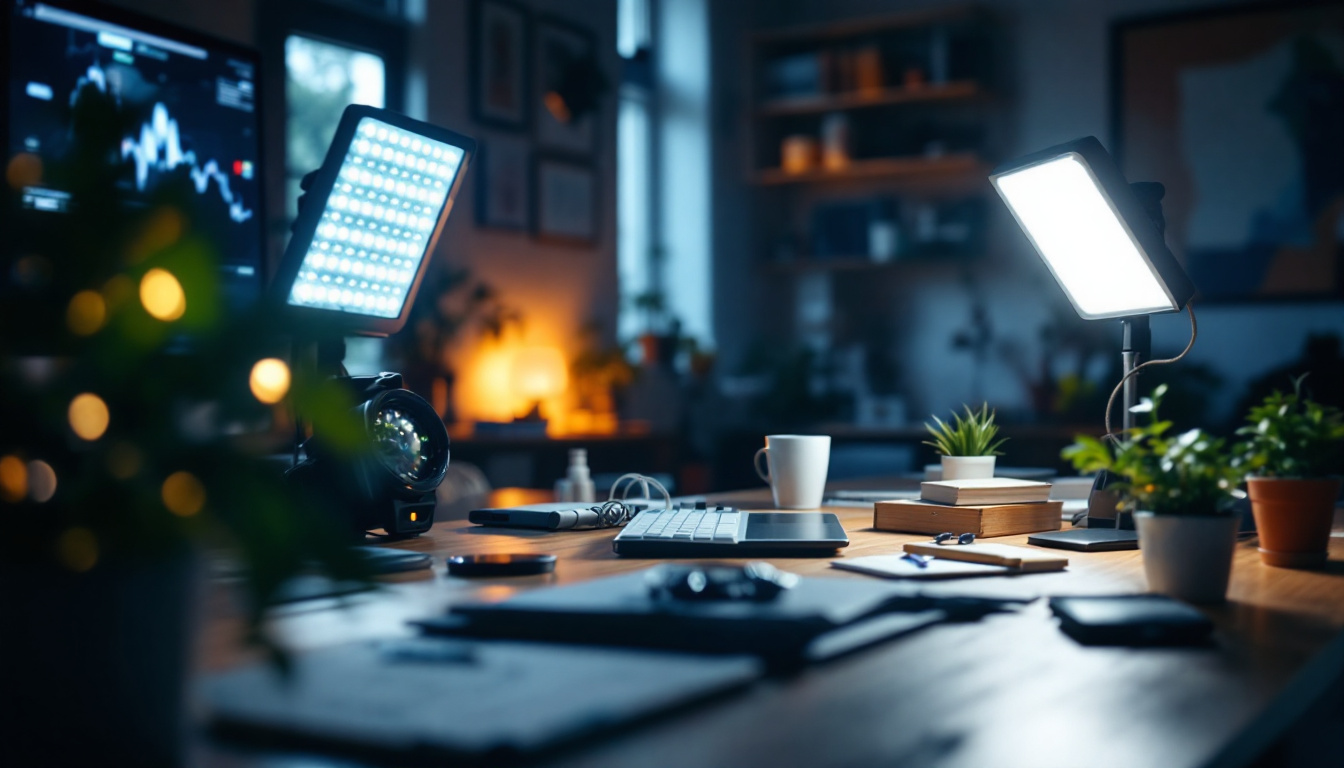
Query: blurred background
[[696, 222]]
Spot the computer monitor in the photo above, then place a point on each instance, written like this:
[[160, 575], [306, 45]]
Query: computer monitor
[[368, 224], [184, 103]]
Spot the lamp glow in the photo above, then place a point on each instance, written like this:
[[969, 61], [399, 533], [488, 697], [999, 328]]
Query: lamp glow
[[183, 494], [539, 373]]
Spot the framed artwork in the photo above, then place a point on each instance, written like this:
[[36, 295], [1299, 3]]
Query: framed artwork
[[566, 194], [499, 63], [504, 183], [1239, 111], [562, 51]]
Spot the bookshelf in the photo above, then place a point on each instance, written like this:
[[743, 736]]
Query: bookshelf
[[895, 108]]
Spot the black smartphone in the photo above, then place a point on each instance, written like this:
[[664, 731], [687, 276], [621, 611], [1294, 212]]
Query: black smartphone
[[501, 565]]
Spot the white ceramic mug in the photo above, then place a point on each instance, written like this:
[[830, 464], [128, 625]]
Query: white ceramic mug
[[795, 469]]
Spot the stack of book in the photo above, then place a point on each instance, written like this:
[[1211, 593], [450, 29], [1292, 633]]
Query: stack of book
[[997, 506]]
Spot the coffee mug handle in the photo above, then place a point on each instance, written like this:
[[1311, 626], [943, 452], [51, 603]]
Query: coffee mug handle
[[756, 463]]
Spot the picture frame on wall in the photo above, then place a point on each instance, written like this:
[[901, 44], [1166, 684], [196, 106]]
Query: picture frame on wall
[[1238, 111], [566, 200], [504, 183], [500, 64], [563, 55]]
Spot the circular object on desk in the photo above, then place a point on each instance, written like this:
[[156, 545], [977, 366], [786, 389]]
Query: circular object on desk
[[500, 565]]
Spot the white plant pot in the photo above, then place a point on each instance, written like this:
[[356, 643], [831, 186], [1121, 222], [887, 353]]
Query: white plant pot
[[968, 467], [1188, 557]]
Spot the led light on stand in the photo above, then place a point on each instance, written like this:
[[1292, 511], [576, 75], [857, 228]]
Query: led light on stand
[[1092, 232], [1103, 240], [386, 204], [1079, 235]]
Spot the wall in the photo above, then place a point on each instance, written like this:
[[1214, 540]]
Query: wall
[[1058, 73], [558, 287]]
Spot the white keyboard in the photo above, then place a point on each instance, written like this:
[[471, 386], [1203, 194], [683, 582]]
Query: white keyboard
[[700, 524]]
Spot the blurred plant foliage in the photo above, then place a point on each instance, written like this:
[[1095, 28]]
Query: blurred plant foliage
[[130, 398], [1190, 473], [1289, 435]]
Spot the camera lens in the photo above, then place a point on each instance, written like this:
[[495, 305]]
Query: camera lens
[[399, 442], [409, 439]]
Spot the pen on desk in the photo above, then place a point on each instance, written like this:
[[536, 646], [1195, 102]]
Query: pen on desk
[[920, 560]]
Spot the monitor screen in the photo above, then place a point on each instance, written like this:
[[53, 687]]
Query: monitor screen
[[184, 105], [377, 225]]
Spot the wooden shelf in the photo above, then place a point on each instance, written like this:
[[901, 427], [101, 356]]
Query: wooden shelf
[[960, 90], [956, 166], [869, 25]]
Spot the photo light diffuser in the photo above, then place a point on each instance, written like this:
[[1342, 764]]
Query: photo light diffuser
[[369, 223], [1092, 231]]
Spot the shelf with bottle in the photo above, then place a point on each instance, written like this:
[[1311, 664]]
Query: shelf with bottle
[[957, 91], [950, 167]]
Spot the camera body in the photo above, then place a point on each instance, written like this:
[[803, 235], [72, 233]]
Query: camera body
[[391, 485]]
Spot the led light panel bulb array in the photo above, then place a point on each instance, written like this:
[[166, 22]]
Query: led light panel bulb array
[[378, 222]]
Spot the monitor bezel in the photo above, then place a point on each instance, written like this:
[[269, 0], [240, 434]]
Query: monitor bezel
[[117, 15], [320, 322]]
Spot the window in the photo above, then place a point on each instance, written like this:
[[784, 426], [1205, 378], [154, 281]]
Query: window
[[321, 78], [636, 264]]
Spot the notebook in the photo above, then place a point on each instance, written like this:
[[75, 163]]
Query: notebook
[[992, 490], [453, 700], [816, 619], [898, 567]]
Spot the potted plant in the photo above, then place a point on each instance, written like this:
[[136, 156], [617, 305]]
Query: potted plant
[[126, 387], [1181, 488], [1293, 445], [967, 444]]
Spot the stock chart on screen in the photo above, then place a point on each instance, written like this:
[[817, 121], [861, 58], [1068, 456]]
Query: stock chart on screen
[[184, 109]]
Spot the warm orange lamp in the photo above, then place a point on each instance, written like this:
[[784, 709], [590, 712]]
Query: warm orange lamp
[[538, 373]]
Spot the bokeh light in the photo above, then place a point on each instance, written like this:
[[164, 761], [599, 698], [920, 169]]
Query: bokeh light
[[269, 380], [13, 479], [88, 416], [86, 313], [24, 170], [77, 549], [183, 494], [41, 481], [162, 295]]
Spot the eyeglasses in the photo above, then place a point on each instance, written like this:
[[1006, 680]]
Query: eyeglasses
[[945, 538]]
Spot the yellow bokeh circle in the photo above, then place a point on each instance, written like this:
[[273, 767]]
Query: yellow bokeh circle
[[86, 313], [183, 494], [88, 416], [162, 295], [269, 380], [13, 479]]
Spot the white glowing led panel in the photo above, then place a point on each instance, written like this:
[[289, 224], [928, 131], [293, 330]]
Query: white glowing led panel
[[378, 221], [1076, 229]]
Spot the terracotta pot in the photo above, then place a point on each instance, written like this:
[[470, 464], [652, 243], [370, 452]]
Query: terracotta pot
[[1188, 557], [1293, 517]]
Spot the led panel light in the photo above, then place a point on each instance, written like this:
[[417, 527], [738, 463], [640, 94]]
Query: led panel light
[[1093, 233], [370, 222]]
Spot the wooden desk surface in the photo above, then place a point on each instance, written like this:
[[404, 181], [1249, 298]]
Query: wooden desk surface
[[1010, 690]]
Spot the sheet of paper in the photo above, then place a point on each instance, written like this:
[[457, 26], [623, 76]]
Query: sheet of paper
[[898, 567]]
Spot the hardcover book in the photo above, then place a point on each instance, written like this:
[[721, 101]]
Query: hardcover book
[[985, 521]]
